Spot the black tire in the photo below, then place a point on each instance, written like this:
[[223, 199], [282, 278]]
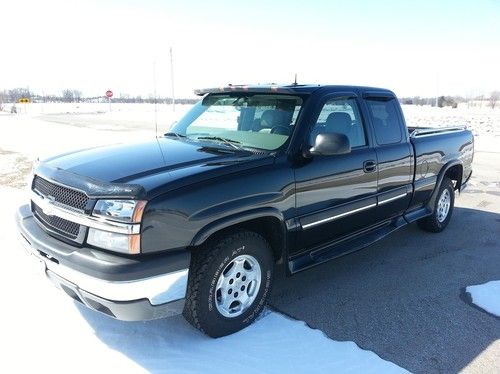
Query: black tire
[[207, 265], [435, 223]]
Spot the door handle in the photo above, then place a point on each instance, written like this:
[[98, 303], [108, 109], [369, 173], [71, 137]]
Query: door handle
[[369, 166]]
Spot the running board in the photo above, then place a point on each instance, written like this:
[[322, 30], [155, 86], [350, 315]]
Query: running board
[[343, 247], [417, 214]]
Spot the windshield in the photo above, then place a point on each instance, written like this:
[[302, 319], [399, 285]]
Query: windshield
[[262, 121]]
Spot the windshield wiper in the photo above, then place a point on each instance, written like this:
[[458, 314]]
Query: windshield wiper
[[177, 135], [227, 141]]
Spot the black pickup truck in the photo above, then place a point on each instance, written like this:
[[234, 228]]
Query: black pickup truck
[[250, 180]]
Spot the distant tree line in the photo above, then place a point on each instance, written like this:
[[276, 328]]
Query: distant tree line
[[75, 96], [15, 94], [452, 101], [441, 101]]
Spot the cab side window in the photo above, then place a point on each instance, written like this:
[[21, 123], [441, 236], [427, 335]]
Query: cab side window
[[341, 116], [386, 121]]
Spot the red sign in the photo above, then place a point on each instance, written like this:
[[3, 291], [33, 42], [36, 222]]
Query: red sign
[[109, 93]]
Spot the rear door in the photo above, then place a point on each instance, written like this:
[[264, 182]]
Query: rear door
[[336, 195], [394, 154]]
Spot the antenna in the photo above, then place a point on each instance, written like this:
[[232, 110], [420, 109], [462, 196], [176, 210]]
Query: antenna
[[295, 81], [154, 93]]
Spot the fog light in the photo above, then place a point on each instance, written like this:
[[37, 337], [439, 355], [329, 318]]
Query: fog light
[[130, 244]]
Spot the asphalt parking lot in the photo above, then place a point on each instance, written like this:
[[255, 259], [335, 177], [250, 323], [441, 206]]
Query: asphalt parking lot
[[404, 297]]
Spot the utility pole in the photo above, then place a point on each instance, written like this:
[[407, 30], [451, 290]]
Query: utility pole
[[172, 78], [154, 93]]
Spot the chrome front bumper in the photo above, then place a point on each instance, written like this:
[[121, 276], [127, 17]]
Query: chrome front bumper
[[138, 299]]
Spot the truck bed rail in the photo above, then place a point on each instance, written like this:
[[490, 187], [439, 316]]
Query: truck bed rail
[[423, 131]]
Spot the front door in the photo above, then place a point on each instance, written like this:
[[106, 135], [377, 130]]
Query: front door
[[336, 195]]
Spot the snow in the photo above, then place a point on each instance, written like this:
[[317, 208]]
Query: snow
[[486, 296], [483, 121], [46, 330]]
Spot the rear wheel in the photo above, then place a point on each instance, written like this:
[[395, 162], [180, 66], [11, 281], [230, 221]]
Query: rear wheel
[[443, 208], [229, 281]]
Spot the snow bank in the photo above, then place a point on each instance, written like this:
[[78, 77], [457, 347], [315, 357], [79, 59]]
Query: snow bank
[[43, 329], [486, 296]]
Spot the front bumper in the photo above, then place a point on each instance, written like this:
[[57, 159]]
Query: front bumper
[[137, 288]]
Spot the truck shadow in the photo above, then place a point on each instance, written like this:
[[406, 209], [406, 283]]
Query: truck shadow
[[403, 298], [400, 298]]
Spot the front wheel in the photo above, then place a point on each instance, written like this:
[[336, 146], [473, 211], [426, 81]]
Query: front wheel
[[229, 282], [443, 208]]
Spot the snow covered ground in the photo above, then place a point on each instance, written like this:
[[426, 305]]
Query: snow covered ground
[[486, 296], [483, 121], [44, 330]]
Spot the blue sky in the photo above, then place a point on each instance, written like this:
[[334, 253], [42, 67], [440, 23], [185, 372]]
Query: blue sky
[[416, 48]]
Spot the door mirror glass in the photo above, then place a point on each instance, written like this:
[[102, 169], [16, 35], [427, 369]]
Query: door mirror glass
[[329, 144]]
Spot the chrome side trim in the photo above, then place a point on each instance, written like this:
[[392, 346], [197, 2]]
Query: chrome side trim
[[51, 209], [337, 216], [382, 202], [158, 289]]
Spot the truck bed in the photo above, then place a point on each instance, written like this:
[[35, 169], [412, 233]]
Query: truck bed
[[434, 149]]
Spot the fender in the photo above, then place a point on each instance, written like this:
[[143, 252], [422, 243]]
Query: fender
[[242, 217], [432, 200]]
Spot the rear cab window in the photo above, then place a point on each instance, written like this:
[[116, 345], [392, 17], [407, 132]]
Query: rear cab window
[[386, 120]]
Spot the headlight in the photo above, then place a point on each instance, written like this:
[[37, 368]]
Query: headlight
[[120, 210], [130, 244], [126, 211]]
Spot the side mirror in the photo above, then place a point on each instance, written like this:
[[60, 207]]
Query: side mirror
[[329, 144]]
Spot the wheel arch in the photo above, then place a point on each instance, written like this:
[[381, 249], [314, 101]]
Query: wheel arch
[[454, 171], [267, 222]]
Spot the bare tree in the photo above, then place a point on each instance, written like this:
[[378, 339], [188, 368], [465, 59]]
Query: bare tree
[[77, 95], [67, 96], [18, 93], [3, 97], [71, 96], [494, 96]]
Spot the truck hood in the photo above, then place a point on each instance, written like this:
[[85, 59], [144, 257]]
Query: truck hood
[[123, 163], [148, 165]]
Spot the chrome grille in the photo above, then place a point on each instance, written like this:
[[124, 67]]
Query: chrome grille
[[62, 195], [57, 224]]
